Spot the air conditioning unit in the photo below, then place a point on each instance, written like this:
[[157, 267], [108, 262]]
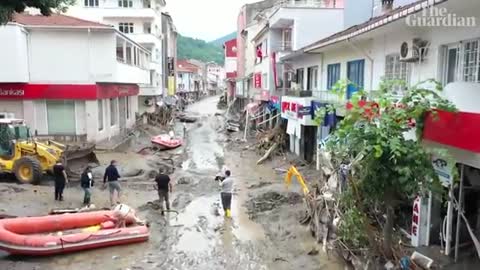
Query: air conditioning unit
[[413, 50]]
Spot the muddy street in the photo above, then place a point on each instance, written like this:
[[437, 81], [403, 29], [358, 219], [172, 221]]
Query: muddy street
[[264, 232]]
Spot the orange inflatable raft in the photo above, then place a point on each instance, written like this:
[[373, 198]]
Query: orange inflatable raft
[[165, 142], [58, 234]]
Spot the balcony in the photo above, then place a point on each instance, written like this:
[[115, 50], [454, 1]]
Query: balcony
[[298, 93], [148, 90], [145, 38], [311, 3], [120, 12]]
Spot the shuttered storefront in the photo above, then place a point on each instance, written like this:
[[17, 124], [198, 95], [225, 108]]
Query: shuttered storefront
[[61, 117]]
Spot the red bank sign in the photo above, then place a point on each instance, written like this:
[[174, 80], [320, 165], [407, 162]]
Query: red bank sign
[[66, 91]]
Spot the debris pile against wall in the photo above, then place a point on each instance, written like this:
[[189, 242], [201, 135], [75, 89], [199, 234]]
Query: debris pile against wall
[[270, 143]]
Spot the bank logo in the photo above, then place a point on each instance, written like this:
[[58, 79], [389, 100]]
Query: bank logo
[[432, 16]]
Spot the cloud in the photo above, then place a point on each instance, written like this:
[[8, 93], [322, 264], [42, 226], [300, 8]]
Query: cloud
[[205, 19]]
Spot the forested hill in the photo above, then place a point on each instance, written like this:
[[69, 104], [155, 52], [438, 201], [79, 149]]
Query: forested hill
[[191, 48]]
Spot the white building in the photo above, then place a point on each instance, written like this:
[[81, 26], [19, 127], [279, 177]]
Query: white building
[[286, 27], [416, 41], [141, 21], [70, 78]]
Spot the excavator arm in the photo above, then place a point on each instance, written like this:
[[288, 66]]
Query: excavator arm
[[293, 172]]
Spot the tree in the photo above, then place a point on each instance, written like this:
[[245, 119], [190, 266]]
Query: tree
[[393, 165], [9, 7]]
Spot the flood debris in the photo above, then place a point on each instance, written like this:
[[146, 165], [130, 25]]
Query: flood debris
[[269, 143], [270, 200]]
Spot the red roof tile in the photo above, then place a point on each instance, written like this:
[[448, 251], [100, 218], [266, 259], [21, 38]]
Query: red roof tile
[[53, 20], [185, 66]]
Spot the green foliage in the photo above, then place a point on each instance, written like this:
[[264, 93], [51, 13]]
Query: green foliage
[[189, 48], [394, 166], [9, 7], [222, 40], [352, 226]]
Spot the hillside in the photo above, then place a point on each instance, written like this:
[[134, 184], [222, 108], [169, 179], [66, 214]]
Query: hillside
[[190, 48], [222, 40]]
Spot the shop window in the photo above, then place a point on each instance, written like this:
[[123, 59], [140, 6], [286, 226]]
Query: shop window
[[61, 117], [333, 75], [91, 3], [127, 105], [113, 111], [100, 114]]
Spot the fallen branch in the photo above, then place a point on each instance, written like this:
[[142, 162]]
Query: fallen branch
[[268, 153]]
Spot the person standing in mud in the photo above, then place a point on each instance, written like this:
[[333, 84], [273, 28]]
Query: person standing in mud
[[226, 194], [86, 181], [164, 188], [61, 179], [111, 177]]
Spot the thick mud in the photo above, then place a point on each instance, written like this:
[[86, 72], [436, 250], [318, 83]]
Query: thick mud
[[264, 232]]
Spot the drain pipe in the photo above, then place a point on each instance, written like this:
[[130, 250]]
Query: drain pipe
[[372, 61]]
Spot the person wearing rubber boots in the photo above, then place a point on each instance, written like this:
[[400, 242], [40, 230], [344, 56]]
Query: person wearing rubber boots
[[226, 194]]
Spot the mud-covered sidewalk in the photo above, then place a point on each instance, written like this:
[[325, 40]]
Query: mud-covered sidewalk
[[264, 232]]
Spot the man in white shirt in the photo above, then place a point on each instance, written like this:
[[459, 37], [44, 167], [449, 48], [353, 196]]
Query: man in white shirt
[[226, 194]]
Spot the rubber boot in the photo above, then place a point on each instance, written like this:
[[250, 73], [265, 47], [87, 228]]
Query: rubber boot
[[228, 213]]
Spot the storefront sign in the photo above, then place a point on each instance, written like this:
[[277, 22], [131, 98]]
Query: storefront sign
[[444, 170], [415, 222], [12, 92], [171, 85], [289, 109], [66, 91], [303, 111], [420, 228], [257, 80]]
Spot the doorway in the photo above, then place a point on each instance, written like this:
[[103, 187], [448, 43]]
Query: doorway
[[309, 142]]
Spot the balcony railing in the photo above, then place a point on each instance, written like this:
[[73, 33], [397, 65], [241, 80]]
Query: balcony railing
[[311, 3], [298, 93], [285, 45]]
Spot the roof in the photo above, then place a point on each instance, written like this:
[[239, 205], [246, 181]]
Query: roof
[[55, 20], [185, 66], [371, 24]]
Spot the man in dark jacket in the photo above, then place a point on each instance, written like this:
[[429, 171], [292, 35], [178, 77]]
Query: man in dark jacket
[[111, 177], [86, 181], [60, 179], [164, 187]]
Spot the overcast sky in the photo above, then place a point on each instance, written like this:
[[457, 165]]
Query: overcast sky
[[205, 19]]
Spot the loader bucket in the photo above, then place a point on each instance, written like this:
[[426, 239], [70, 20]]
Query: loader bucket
[[77, 157]]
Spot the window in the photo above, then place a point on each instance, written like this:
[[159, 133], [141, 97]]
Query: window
[[462, 62], [396, 70], [470, 61], [113, 111], [125, 3], [300, 72], [100, 115], [333, 75], [312, 75], [286, 39], [126, 28], [91, 3]]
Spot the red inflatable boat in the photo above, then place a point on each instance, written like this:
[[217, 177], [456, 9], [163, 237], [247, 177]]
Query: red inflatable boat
[[57, 234], [165, 142]]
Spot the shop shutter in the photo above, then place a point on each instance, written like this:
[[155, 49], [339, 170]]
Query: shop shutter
[[61, 117]]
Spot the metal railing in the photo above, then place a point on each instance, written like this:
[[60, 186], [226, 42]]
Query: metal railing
[[285, 45], [298, 93], [309, 3]]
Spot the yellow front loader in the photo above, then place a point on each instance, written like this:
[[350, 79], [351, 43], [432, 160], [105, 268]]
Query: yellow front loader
[[27, 158]]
